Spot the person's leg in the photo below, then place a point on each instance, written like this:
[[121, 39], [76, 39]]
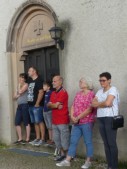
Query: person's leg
[[56, 137], [64, 138], [28, 129], [19, 132], [26, 120], [39, 126], [37, 131], [76, 134], [18, 119], [103, 133], [49, 123], [31, 113], [87, 135], [111, 137], [50, 134], [42, 130]]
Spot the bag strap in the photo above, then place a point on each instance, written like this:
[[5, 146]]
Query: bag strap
[[118, 106]]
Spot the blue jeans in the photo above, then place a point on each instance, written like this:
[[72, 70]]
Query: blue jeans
[[84, 130], [36, 114]]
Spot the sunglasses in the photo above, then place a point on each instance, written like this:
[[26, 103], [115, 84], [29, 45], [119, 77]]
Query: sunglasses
[[102, 80]]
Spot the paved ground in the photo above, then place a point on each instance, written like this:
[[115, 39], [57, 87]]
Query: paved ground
[[12, 158]]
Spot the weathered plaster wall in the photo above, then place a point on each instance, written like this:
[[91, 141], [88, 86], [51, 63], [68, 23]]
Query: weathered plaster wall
[[96, 41]]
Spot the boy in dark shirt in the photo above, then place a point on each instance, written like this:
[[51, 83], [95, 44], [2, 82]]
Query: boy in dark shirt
[[47, 113]]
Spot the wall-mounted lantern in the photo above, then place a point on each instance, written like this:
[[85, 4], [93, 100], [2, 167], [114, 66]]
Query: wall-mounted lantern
[[56, 34]]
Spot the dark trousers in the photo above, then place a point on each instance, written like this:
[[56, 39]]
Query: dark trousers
[[109, 138]]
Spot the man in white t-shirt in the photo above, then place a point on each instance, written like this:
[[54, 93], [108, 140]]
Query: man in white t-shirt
[[106, 102]]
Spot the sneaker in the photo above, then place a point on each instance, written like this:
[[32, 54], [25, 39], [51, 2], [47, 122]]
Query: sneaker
[[34, 141], [23, 142], [86, 165], [60, 158], [18, 142], [64, 163], [57, 152], [50, 142], [39, 143]]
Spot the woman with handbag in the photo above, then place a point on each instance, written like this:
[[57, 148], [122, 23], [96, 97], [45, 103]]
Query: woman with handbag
[[106, 102], [82, 116]]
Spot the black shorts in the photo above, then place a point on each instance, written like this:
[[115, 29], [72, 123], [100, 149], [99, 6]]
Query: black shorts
[[22, 115]]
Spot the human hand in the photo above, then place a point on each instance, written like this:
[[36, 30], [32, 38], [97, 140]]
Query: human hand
[[95, 102], [36, 105], [74, 119], [60, 106]]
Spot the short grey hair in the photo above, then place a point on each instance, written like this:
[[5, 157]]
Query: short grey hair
[[60, 78], [88, 81]]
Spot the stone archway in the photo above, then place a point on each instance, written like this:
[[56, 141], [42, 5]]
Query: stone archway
[[28, 30], [28, 12]]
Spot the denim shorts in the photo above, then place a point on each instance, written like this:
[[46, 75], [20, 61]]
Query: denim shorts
[[48, 119], [61, 136], [36, 114], [22, 115]]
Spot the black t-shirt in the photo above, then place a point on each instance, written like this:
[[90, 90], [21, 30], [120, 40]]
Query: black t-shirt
[[33, 91]]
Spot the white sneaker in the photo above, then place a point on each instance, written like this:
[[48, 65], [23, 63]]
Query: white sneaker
[[64, 163], [57, 152], [39, 143], [86, 165], [34, 141]]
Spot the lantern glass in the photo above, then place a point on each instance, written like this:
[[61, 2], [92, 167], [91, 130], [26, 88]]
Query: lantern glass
[[56, 33], [53, 35]]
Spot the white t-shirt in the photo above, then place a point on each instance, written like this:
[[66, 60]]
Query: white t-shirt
[[108, 111]]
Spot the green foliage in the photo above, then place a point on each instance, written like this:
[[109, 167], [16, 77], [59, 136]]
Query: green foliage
[[2, 145], [123, 165]]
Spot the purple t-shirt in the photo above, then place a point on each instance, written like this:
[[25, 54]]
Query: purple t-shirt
[[46, 100]]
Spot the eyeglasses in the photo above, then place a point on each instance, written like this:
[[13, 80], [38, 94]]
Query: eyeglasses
[[102, 80]]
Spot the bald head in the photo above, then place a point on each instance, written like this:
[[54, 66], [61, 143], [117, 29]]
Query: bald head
[[57, 82]]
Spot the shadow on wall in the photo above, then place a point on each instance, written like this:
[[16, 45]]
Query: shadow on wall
[[66, 26]]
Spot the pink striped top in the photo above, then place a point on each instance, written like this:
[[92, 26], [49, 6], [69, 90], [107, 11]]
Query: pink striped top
[[83, 102]]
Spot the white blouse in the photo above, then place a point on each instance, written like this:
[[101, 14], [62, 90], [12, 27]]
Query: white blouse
[[108, 111]]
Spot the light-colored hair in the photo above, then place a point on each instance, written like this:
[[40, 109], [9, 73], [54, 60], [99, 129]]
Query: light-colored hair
[[88, 81]]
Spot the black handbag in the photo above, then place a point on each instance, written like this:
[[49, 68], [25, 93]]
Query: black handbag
[[118, 122]]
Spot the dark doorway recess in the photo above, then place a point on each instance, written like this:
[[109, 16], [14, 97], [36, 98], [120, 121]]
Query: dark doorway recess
[[46, 60]]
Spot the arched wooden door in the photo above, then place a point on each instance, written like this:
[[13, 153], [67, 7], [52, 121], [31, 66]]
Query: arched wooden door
[[46, 60]]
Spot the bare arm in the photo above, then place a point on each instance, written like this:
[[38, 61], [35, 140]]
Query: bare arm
[[53, 105], [107, 103], [39, 99], [23, 89], [16, 95]]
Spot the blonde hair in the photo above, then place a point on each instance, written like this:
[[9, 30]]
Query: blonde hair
[[88, 82]]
